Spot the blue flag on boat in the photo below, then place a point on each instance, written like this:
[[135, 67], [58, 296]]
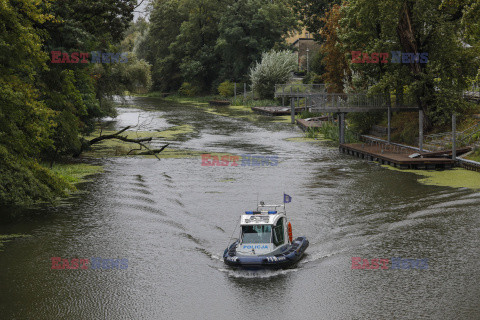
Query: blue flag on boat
[[286, 198]]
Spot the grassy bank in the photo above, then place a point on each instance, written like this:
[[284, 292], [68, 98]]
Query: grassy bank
[[330, 131], [75, 172], [474, 156]]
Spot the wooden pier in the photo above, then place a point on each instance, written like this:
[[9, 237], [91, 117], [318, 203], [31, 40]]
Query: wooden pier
[[276, 110], [397, 157], [306, 124]]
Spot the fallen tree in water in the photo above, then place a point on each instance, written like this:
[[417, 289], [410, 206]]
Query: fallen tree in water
[[117, 135]]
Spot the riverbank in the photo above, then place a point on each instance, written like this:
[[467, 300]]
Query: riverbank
[[75, 173], [475, 156]]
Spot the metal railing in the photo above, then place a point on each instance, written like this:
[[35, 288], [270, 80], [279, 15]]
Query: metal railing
[[388, 146], [352, 100], [319, 99]]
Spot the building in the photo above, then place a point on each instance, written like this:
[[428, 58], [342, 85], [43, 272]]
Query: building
[[305, 46]]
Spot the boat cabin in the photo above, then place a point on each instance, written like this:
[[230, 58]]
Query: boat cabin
[[262, 231]]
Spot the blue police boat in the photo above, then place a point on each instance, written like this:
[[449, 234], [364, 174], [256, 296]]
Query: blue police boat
[[265, 240]]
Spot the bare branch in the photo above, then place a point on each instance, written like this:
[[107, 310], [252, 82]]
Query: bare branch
[[116, 135]]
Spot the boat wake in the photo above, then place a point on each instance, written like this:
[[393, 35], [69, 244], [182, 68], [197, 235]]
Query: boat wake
[[209, 254], [256, 274]]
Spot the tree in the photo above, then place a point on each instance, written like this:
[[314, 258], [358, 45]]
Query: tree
[[336, 65], [312, 13], [44, 107], [422, 26], [248, 28], [166, 19], [195, 45], [76, 92], [274, 68], [25, 121]]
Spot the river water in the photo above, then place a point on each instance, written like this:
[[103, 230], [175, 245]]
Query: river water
[[173, 218]]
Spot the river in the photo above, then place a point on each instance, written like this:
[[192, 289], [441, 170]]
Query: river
[[173, 218]]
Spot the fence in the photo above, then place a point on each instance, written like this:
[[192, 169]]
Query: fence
[[240, 90]]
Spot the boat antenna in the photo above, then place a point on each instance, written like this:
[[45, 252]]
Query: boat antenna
[[231, 236]]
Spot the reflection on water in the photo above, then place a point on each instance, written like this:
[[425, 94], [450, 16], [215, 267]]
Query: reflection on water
[[173, 218]]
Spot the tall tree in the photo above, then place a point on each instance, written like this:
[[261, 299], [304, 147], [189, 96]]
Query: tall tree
[[334, 59], [312, 12], [166, 19], [411, 27], [195, 45], [25, 121], [248, 28]]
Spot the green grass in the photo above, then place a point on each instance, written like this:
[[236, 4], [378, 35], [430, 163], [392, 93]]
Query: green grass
[[75, 172], [330, 131], [308, 114], [475, 156], [248, 102]]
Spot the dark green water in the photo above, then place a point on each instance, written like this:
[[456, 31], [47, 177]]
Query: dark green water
[[173, 218]]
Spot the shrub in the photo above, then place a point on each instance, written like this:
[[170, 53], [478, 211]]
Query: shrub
[[312, 78], [25, 182], [188, 89], [226, 89], [274, 68], [331, 131]]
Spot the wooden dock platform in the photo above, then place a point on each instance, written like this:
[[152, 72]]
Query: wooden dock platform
[[276, 110], [397, 158], [316, 122]]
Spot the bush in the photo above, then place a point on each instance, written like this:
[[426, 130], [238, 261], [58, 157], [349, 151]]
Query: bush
[[312, 78], [25, 182], [274, 68], [226, 89], [331, 131], [189, 90], [307, 114]]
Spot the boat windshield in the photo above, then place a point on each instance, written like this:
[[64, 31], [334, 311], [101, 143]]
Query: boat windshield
[[257, 234]]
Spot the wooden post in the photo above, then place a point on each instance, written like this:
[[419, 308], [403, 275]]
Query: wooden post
[[298, 97], [454, 137], [420, 130], [341, 124], [283, 95], [292, 111], [244, 90], [389, 123], [291, 94]]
